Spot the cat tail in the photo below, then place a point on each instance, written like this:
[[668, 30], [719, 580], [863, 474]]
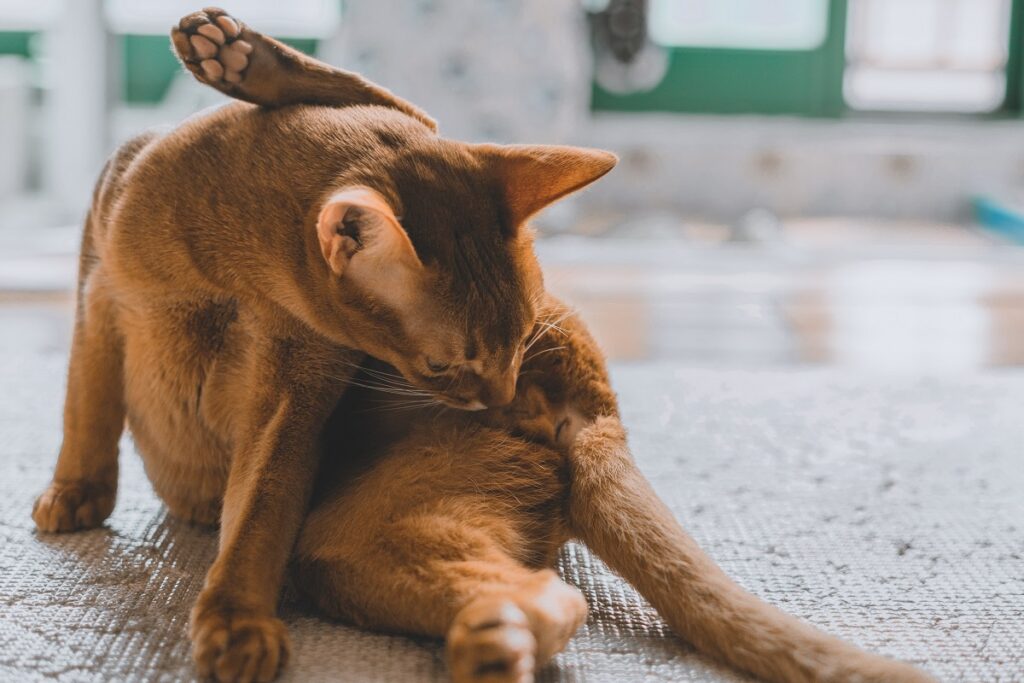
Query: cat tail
[[614, 510]]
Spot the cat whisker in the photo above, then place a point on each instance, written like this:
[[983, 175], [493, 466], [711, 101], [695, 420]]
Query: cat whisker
[[548, 323], [542, 352], [378, 380], [535, 338], [380, 374], [538, 335], [388, 402], [406, 405], [385, 388], [386, 376]]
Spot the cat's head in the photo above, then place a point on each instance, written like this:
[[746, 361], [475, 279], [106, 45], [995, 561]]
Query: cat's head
[[563, 383], [433, 263]]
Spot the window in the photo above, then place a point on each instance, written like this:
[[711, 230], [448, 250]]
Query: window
[[742, 56], [927, 55], [829, 57], [779, 25]]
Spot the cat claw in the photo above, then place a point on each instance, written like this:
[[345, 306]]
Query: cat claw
[[210, 44]]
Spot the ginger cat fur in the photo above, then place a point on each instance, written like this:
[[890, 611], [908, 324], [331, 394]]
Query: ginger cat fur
[[233, 274], [449, 523]]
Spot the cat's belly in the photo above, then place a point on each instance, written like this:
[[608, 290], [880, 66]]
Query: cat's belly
[[173, 349]]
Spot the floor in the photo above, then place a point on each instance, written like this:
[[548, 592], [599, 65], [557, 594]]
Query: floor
[[835, 417], [901, 298], [891, 297]]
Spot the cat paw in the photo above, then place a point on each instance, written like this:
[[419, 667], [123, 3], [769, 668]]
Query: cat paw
[[491, 642], [71, 506], [211, 45], [237, 646]]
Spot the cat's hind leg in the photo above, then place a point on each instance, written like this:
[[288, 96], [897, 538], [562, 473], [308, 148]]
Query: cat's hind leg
[[222, 52], [438, 574], [615, 511]]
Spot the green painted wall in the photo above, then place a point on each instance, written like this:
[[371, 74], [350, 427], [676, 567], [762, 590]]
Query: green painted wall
[[1014, 102], [735, 81], [16, 43]]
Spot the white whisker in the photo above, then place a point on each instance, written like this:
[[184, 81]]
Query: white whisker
[[542, 352]]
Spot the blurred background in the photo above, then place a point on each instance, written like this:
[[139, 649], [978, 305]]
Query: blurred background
[[801, 181]]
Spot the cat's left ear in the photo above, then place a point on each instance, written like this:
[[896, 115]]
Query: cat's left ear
[[356, 225], [535, 176]]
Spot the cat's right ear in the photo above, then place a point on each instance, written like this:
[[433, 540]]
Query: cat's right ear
[[533, 177], [357, 222]]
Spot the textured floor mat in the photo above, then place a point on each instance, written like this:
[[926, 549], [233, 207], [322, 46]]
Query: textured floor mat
[[886, 511]]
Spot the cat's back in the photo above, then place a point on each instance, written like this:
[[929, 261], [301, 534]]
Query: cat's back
[[225, 176], [240, 156], [299, 147]]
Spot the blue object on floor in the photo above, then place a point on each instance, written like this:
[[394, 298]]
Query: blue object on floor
[[1000, 217]]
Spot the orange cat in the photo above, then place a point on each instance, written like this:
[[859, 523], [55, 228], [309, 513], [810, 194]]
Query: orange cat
[[233, 274], [449, 524]]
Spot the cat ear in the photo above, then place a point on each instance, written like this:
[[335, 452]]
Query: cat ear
[[534, 176], [358, 220]]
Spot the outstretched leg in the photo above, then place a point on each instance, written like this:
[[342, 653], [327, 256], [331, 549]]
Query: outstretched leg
[[227, 55], [84, 484], [435, 574], [614, 510]]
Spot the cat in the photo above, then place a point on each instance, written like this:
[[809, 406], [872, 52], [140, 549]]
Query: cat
[[233, 274], [449, 522]]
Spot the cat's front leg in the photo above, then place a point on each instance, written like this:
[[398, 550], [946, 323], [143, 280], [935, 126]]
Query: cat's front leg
[[235, 633], [84, 484]]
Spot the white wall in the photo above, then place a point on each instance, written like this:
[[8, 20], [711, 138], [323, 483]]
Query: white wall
[[720, 167]]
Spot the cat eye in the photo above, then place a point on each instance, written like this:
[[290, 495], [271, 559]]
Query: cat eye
[[437, 367]]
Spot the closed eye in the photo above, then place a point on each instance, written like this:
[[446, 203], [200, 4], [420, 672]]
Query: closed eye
[[437, 367]]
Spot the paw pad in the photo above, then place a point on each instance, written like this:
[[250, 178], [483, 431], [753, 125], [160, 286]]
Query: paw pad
[[210, 44]]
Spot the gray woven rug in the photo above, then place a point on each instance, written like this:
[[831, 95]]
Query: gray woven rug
[[887, 511]]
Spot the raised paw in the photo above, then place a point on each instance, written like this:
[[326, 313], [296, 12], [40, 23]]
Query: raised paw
[[211, 46], [233, 646], [490, 642], [70, 506]]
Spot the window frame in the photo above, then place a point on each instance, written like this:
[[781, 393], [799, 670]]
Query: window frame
[[727, 81]]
